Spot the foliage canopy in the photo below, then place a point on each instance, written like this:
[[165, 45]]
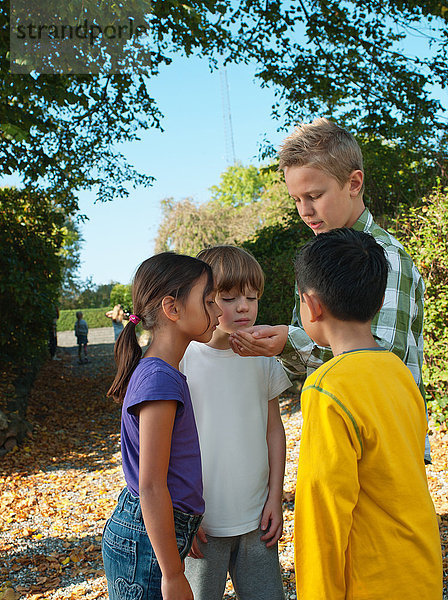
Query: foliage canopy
[[246, 200], [346, 60], [121, 294]]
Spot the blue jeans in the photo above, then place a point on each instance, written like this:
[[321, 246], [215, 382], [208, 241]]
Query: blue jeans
[[130, 563]]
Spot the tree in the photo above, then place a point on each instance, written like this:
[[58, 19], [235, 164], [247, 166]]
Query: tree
[[246, 200], [121, 294], [242, 185], [344, 60], [63, 130], [31, 236], [354, 67], [87, 295], [395, 175], [354, 64], [251, 208], [70, 254]]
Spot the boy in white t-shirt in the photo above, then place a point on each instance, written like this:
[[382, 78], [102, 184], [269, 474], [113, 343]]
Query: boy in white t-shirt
[[242, 442]]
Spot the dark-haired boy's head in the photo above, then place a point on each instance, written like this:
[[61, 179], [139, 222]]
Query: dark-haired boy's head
[[347, 270]]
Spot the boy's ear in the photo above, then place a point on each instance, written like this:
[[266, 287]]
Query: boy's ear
[[356, 179], [314, 306], [169, 308]]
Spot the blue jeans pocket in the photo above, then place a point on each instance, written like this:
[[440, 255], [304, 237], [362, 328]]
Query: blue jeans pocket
[[128, 591], [130, 563], [119, 555]]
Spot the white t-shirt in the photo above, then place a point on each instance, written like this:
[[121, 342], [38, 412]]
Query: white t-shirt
[[230, 396]]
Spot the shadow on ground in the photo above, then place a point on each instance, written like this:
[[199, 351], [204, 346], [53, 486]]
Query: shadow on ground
[[74, 424]]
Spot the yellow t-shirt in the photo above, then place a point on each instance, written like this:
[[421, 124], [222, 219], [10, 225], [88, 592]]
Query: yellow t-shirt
[[365, 525]]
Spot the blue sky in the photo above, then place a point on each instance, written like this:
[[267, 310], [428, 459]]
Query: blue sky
[[186, 160]]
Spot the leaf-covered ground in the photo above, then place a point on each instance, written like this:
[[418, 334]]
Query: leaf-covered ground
[[57, 490]]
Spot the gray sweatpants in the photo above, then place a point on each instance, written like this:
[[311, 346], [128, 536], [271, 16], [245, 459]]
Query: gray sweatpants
[[254, 569]]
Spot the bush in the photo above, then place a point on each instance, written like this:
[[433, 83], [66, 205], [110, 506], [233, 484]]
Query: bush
[[95, 317], [423, 231], [275, 247], [121, 294], [31, 237]]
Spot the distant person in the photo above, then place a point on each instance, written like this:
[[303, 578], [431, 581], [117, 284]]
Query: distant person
[[53, 334], [81, 331], [365, 525], [117, 316], [242, 442], [324, 174], [158, 513]]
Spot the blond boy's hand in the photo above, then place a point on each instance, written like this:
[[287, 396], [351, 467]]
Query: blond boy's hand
[[259, 340]]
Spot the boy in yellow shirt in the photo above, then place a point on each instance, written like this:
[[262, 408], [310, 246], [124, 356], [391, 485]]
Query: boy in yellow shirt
[[365, 525]]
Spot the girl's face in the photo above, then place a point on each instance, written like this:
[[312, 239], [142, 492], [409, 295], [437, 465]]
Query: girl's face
[[197, 321]]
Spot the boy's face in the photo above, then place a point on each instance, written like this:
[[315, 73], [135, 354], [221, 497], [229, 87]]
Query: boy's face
[[321, 202], [239, 310]]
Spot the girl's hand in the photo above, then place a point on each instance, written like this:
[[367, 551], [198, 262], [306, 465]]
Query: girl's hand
[[271, 523], [195, 551], [176, 588]]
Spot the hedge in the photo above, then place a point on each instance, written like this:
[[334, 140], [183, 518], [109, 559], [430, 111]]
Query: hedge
[[95, 317], [32, 233], [275, 247], [423, 231]]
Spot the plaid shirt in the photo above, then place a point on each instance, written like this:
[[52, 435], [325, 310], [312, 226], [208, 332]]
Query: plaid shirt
[[398, 326]]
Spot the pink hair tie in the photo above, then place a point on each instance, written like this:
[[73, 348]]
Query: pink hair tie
[[136, 320]]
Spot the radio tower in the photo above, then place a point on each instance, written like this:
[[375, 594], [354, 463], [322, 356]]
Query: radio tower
[[227, 116]]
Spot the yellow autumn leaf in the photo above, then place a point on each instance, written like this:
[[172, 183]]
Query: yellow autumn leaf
[[9, 594], [75, 557]]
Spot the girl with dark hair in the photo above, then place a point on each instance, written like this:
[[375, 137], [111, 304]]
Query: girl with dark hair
[[158, 513]]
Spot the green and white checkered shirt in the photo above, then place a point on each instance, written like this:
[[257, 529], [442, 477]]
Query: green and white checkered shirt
[[398, 326]]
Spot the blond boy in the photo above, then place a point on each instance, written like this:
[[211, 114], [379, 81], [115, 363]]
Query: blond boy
[[324, 174]]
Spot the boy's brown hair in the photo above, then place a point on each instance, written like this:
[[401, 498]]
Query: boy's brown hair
[[323, 145], [233, 267]]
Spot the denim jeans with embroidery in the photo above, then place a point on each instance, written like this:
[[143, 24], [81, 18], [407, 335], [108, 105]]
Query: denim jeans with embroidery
[[131, 566]]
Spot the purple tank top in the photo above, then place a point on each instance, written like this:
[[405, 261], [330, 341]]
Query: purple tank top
[[154, 379]]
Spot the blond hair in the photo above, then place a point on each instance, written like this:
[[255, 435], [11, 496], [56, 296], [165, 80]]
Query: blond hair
[[233, 267], [323, 145]]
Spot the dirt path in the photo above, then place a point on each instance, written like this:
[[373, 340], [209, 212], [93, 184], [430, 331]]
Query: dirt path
[[58, 489]]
